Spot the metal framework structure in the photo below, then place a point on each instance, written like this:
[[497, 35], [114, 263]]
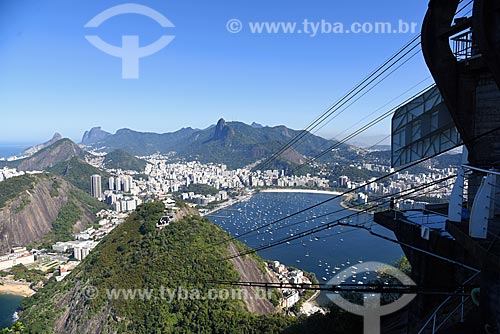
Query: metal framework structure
[[361, 288], [422, 128]]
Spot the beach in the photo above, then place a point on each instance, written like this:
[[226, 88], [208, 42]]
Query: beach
[[312, 191], [309, 307], [18, 289], [305, 191], [272, 190], [226, 204]]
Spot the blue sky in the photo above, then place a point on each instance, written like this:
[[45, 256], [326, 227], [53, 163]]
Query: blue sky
[[52, 79]]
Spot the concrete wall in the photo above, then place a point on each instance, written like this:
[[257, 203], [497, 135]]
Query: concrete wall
[[20, 260]]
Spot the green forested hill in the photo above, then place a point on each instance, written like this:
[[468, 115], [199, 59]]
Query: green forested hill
[[137, 256], [119, 159], [233, 143], [78, 172], [66, 159], [13, 187]]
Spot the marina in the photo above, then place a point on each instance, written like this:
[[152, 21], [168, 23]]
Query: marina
[[327, 254]]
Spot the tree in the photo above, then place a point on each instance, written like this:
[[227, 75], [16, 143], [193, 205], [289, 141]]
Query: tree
[[17, 328]]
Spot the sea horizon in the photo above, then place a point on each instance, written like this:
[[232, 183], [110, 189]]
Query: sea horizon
[[8, 150]]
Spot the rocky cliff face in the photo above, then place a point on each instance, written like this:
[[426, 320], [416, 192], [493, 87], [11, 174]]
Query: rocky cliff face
[[222, 131], [94, 135], [28, 217], [62, 150], [33, 149]]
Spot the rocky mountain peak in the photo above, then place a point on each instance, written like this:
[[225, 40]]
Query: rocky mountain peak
[[222, 130], [34, 149], [94, 135]]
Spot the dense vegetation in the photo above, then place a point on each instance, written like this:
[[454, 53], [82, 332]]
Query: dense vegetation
[[17, 328], [203, 189], [11, 188], [234, 143], [62, 227], [69, 215], [353, 173], [119, 159], [136, 255], [185, 255], [20, 272], [77, 172], [88, 202]]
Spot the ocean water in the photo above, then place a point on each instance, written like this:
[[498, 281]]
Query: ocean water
[[326, 253], [8, 305], [9, 150]]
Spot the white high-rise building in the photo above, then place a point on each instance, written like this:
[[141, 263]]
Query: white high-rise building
[[343, 180], [130, 205], [111, 182], [126, 184], [118, 206], [83, 249], [95, 186], [118, 184]]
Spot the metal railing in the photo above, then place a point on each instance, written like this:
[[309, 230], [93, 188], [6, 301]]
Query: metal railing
[[462, 45], [438, 324]]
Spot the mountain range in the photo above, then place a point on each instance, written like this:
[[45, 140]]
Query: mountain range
[[66, 181], [65, 158], [234, 143]]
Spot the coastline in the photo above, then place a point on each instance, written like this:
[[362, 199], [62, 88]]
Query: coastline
[[344, 200], [17, 289], [347, 207], [306, 191], [228, 203], [246, 197], [310, 307]]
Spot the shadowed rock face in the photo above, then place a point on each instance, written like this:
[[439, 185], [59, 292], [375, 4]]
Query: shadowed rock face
[[62, 150], [27, 218], [235, 144], [222, 131], [33, 149], [94, 135]]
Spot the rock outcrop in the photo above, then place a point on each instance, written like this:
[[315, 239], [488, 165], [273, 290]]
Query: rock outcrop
[[33, 149], [62, 150], [28, 218]]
